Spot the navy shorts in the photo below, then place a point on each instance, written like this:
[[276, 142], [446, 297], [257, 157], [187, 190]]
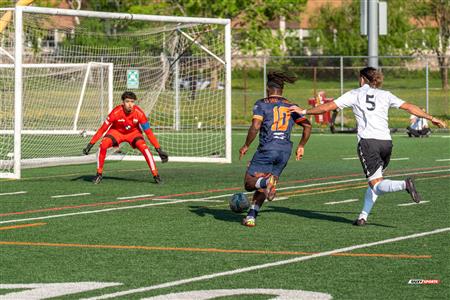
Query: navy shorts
[[268, 161]]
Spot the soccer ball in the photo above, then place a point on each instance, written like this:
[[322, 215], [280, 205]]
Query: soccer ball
[[239, 203]]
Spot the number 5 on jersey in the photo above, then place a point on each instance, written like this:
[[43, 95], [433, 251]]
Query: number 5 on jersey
[[372, 103]]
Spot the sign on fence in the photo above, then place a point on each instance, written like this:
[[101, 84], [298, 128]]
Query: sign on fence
[[132, 79]]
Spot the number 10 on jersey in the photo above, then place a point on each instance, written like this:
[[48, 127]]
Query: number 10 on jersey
[[281, 116]]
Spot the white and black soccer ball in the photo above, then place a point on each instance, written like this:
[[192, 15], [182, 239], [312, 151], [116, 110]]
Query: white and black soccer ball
[[239, 203]]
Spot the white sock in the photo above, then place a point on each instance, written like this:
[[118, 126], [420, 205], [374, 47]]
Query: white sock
[[255, 207], [389, 186], [258, 182], [369, 200]]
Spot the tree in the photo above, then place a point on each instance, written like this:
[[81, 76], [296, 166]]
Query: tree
[[249, 20], [337, 31], [249, 17], [437, 11]]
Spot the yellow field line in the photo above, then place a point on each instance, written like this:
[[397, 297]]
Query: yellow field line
[[213, 250], [21, 226]]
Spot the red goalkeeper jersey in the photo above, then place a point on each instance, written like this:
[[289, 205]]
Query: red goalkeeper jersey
[[134, 122]]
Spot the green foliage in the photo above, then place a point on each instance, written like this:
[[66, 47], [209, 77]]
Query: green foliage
[[249, 19], [42, 3], [107, 33], [338, 31], [428, 12]]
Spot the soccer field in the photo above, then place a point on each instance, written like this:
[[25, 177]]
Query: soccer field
[[129, 238]]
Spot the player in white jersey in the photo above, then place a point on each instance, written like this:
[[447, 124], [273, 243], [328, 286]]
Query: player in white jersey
[[370, 106]]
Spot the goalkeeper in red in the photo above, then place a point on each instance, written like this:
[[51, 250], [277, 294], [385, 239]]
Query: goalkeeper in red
[[125, 123]]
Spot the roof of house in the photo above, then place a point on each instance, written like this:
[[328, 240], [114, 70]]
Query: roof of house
[[60, 22]]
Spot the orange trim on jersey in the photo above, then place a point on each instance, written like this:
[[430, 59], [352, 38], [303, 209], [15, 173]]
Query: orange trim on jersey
[[298, 121], [258, 117]]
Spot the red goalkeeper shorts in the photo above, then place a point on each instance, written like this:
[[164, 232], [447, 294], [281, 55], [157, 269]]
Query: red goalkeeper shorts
[[117, 137]]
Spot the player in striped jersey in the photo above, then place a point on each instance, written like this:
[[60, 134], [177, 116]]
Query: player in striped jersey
[[274, 122], [125, 123]]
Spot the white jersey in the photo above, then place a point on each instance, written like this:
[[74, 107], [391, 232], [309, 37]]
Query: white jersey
[[370, 107]]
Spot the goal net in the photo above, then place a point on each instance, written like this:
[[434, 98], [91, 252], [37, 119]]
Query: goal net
[[62, 71]]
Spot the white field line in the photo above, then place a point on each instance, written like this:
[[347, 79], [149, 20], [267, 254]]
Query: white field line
[[325, 183], [196, 199], [206, 199], [357, 179], [13, 193], [412, 203], [444, 159], [134, 197], [101, 210], [267, 265], [445, 136], [280, 199], [354, 158], [71, 195], [339, 202]]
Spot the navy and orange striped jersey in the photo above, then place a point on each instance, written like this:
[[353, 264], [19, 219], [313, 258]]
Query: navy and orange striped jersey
[[277, 123]]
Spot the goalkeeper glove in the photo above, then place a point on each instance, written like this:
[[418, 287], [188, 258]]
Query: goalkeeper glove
[[88, 149], [163, 155]]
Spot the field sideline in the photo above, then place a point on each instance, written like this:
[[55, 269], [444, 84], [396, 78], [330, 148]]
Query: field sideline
[[131, 239]]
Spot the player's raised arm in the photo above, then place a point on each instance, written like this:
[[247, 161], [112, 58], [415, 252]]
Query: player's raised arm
[[318, 110], [417, 111]]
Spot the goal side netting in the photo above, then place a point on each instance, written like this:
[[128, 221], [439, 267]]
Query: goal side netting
[[62, 71]]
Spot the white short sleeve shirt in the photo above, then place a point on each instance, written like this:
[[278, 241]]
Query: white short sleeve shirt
[[371, 107]]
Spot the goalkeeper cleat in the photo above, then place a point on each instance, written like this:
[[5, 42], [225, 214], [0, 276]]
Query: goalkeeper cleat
[[249, 221], [270, 190], [97, 179], [157, 179], [411, 189]]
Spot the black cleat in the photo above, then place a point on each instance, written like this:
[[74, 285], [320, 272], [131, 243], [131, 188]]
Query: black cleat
[[411, 189], [359, 222], [157, 179], [97, 179]]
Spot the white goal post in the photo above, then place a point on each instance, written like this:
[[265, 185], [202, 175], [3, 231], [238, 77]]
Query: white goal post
[[62, 71]]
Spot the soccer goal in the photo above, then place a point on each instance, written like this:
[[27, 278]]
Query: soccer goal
[[62, 71]]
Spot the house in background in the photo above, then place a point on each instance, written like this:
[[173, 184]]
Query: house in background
[[302, 30]]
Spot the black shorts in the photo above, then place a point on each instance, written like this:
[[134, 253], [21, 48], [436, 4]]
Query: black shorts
[[374, 154]]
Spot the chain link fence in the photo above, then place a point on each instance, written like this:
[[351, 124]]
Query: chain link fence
[[416, 79]]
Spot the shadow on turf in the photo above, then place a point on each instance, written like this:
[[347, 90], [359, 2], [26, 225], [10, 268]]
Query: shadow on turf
[[228, 216], [311, 214], [219, 214], [89, 178]]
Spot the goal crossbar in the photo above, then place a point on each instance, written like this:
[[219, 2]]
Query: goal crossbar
[[122, 16]]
